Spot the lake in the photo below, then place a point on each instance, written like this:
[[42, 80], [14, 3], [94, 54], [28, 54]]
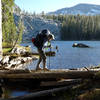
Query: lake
[[69, 57]]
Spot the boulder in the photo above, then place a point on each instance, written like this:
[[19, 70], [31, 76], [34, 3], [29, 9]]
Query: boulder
[[5, 60], [19, 62], [81, 45], [19, 50]]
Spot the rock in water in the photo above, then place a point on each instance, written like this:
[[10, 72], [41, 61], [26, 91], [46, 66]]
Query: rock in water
[[81, 45]]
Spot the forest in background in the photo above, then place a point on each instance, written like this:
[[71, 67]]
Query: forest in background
[[78, 27], [81, 28]]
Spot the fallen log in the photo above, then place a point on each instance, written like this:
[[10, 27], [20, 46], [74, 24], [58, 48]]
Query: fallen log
[[38, 95], [63, 82], [27, 54], [52, 53], [52, 74], [45, 75]]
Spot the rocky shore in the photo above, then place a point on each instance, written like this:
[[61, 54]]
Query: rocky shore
[[17, 58]]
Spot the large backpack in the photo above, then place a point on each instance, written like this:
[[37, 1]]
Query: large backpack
[[38, 41]]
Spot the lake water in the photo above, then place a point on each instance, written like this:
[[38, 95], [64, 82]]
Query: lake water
[[69, 57]]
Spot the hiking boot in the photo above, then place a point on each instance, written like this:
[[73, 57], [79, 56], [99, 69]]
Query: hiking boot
[[46, 69], [38, 68]]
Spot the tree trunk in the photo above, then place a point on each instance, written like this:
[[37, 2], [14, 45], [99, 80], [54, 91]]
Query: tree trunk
[[0, 31], [45, 75]]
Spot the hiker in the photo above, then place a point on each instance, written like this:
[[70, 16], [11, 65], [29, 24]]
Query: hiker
[[41, 39]]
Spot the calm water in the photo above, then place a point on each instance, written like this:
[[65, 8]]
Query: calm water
[[69, 57]]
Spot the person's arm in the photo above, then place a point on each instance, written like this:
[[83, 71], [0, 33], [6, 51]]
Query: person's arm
[[47, 45]]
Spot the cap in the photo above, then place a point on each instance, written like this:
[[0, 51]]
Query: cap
[[46, 32]]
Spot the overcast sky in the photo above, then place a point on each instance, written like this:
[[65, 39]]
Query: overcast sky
[[50, 5]]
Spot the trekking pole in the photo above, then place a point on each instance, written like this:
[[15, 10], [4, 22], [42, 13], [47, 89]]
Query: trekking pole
[[57, 48], [49, 57]]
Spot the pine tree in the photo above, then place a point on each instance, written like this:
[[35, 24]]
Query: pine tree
[[0, 31], [11, 32], [20, 30], [8, 25]]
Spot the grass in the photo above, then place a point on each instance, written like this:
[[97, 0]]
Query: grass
[[6, 50], [6, 45]]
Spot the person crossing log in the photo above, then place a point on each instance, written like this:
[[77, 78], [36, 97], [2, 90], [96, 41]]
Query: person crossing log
[[39, 42]]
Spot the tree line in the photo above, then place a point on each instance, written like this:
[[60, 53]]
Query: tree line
[[81, 28]]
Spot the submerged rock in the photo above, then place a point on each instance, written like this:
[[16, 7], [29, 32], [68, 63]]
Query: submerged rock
[[80, 45]]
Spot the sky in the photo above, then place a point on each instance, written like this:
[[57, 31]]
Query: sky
[[38, 6]]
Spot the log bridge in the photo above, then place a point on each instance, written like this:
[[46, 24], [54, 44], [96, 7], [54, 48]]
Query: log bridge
[[57, 77], [46, 75], [46, 78]]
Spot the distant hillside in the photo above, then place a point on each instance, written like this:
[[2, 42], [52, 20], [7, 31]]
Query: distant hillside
[[82, 9], [34, 23]]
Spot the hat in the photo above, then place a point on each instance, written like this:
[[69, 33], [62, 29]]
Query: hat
[[46, 32]]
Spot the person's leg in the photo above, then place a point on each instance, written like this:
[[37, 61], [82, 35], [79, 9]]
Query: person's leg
[[42, 58], [44, 62], [39, 61], [38, 64]]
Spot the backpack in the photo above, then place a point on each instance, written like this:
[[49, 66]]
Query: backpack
[[37, 41]]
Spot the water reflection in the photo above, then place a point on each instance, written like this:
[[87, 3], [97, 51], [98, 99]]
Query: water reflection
[[19, 87], [8, 93]]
